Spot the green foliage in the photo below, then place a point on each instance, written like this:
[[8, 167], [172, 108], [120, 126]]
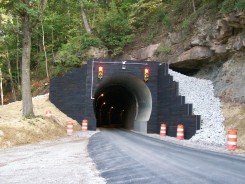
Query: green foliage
[[74, 53], [164, 50], [161, 16], [87, 41], [228, 6], [232, 5], [186, 23], [240, 5], [115, 31], [71, 53], [114, 24], [151, 35]]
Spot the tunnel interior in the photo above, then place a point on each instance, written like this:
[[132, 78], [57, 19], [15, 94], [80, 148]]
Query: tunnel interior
[[115, 107], [122, 102]]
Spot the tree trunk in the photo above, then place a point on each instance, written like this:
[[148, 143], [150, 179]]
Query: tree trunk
[[11, 77], [25, 80], [88, 30], [0, 20], [44, 49], [53, 58], [1, 86], [193, 4], [17, 55]]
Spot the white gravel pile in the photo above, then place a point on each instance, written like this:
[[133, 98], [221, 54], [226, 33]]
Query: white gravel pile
[[41, 96], [200, 93]]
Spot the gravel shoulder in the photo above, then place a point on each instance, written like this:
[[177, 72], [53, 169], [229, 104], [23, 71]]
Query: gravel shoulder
[[196, 145], [62, 161]]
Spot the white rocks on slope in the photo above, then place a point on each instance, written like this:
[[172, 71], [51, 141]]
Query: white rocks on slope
[[200, 93]]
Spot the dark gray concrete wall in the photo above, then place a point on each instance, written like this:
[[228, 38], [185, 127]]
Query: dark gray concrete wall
[[172, 108], [73, 94], [67, 93]]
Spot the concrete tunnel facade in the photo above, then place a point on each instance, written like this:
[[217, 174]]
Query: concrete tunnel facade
[[123, 101], [120, 98]]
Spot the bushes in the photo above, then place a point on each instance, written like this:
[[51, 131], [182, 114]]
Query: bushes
[[74, 52], [232, 5], [115, 32], [71, 53]]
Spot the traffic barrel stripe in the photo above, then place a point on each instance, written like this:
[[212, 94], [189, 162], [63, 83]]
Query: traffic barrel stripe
[[84, 125], [163, 130], [180, 132], [69, 128], [232, 140]]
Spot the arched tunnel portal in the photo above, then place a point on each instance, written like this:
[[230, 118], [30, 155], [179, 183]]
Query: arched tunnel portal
[[122, 101], [121, 96]]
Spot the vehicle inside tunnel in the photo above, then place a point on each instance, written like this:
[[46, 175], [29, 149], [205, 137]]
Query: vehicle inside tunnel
[[122, 101]]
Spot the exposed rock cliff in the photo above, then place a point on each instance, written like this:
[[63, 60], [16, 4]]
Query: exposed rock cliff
[[213, 49]]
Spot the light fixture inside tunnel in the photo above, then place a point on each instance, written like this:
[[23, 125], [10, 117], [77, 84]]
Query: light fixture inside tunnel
[[100, 72], [146, 75], [126, 102]]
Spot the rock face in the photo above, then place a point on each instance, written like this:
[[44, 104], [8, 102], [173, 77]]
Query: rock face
[[211, 40], [145, 53], [228, 78], [196, 53], [212, 49], [97, 52]]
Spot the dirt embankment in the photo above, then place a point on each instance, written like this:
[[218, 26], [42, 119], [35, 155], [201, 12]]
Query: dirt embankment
[[235, 119], [16, 130]]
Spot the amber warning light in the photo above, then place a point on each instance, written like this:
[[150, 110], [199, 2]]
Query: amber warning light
[[146, 75], [100, 73]]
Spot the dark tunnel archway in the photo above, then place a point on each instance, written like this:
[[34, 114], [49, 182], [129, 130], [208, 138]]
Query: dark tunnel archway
[[123, 101]]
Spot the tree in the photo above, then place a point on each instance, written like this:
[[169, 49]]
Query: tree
[[193, 4], [29, 13], [85, 21], [1, 84]]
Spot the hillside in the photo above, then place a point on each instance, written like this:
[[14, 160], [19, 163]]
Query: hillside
[[212, 48], [16, 130], [199, 38]]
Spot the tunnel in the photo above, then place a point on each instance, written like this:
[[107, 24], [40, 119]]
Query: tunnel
[[123, 101]]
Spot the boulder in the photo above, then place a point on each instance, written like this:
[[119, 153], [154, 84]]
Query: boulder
[[196, 41], [235, 19], [146, 52], [97, 52], [175, 37], [219, 49], [239, 42], [224, 29], [195, 53]]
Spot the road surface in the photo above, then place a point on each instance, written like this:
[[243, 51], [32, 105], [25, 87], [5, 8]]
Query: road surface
[[126, 157]]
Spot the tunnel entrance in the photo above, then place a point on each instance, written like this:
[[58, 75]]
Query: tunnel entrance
[[123, 101]]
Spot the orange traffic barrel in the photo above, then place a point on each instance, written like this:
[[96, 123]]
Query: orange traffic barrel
[[232, 140], [48, 113], [180, 132], [163, 130], [69, 128], [85, 125]]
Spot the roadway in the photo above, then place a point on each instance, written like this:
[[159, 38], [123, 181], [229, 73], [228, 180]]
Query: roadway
[[125, 157]]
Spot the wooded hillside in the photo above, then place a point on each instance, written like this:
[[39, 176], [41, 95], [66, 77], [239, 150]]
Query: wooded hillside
[[51, 37]]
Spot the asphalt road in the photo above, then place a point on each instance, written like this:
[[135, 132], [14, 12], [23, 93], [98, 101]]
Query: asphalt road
[[126, 157]]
